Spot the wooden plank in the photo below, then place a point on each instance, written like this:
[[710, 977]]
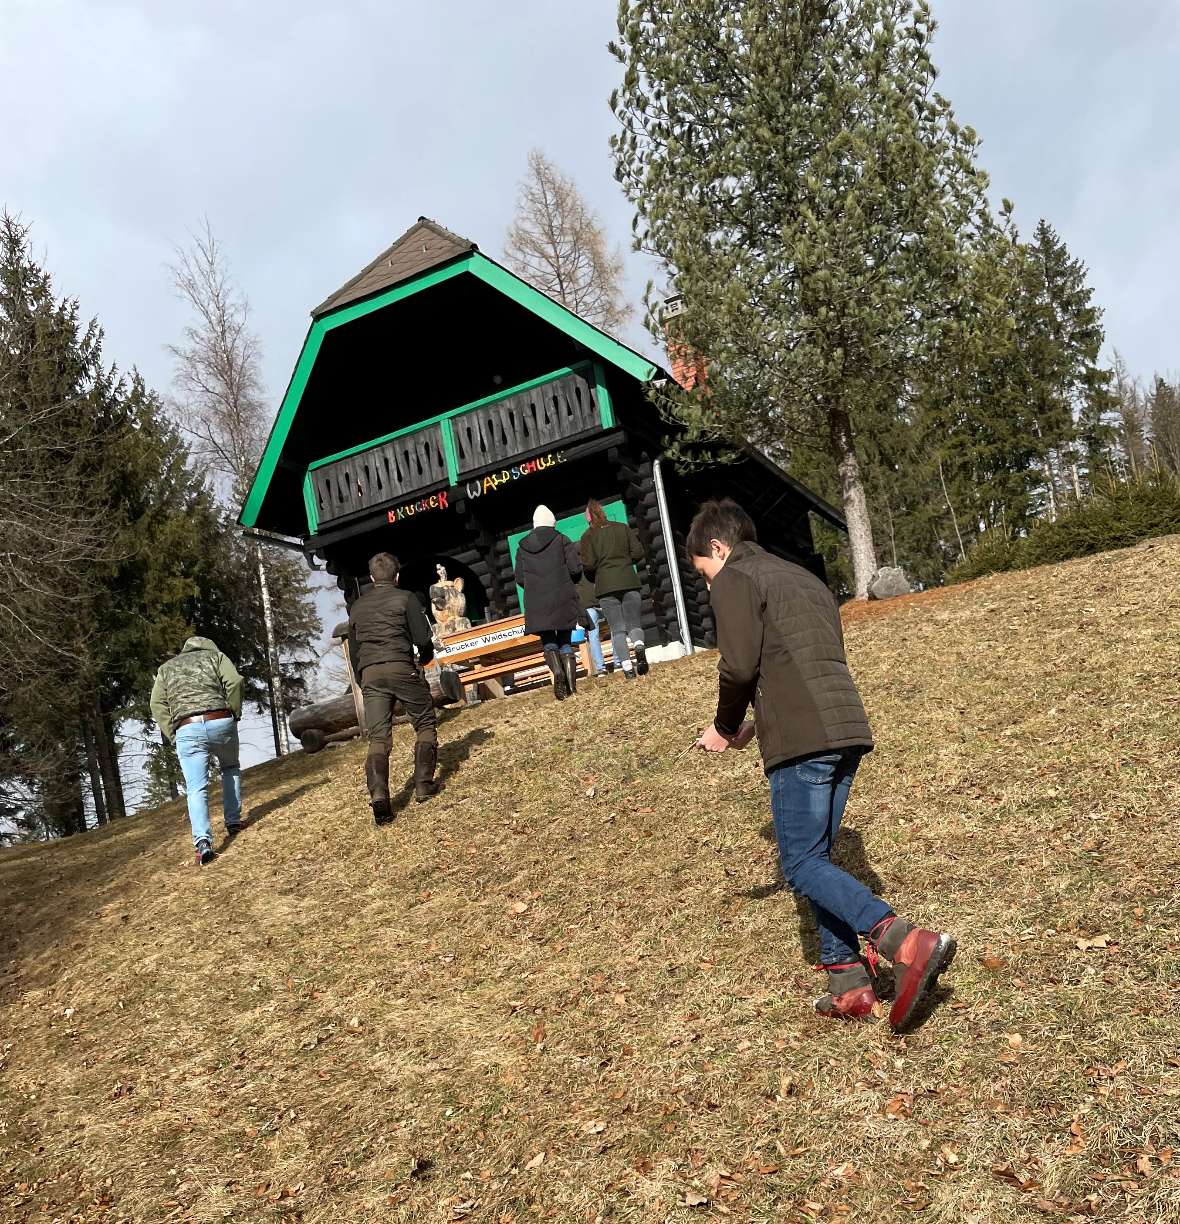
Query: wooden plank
[[357, 699]]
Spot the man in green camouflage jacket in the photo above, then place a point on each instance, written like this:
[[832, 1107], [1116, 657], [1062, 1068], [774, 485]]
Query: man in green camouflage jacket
[[197, 701]]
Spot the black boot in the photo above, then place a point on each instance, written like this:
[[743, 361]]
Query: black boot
[[377, 780], [425, 761], [570, 664], [553, 662], [641, 665]]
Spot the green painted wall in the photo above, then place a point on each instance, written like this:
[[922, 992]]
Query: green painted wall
[[573, 528]]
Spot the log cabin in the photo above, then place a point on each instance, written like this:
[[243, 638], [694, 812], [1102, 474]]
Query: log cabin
[[439, 398]]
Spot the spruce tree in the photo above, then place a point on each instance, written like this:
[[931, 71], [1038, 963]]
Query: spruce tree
[[795, 171]]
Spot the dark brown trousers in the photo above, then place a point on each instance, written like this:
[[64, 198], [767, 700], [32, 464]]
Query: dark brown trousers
[[383, 685]]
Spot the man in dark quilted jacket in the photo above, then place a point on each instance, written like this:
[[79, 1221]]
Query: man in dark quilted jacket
[[782, 650], [196, 702], [386, 626]]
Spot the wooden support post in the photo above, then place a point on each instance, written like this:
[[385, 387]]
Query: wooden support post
[[357, 698]]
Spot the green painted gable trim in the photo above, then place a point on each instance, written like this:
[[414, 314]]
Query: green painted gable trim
[[303, 367], [546, 308], [484, 269]]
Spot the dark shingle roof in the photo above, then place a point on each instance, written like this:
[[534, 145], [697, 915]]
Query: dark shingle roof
[[424, 245]]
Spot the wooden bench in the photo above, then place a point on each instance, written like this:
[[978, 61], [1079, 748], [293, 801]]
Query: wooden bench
[[487, 655]]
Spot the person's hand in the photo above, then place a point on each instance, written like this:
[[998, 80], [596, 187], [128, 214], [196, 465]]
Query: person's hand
[[713, 741], [744, 736]]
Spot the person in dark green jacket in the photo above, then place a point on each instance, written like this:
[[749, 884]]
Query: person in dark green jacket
[[389, 643], [196, 702], [610, 552]]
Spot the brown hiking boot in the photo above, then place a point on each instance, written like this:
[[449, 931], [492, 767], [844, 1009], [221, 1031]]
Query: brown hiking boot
[[850, 993], [425, 762], [918, 954]]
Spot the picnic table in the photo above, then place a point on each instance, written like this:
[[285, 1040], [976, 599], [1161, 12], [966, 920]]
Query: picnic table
[[498, 654]]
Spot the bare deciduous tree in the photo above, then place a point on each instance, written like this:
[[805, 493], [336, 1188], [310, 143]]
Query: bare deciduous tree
[[558, 244], [218, 384]]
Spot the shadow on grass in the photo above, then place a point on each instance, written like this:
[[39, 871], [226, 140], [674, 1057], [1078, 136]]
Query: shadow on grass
[[451, 756], [50, 891], [256, 815], [849, 854]]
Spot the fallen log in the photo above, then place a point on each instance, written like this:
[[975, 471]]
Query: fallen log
[[313, 725]]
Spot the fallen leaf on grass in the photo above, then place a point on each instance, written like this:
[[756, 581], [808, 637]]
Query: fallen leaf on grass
[[593, 1128], [1100, 941], [518, 907], [994, 963], [537, 1161], [694, 1198]]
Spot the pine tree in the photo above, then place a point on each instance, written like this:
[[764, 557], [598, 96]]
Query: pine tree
[[1062, 334], [1163, 409], [797, 174]]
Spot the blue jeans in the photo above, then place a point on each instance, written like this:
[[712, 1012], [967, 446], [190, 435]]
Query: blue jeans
[[197, 743], [557, 640], [808, 799], [594, 641], [624, 614]]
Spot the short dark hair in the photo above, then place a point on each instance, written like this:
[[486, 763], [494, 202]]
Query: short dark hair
[[722, 520], [383, 567]]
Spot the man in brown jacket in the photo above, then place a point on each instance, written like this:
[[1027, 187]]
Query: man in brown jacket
[[782, 649]]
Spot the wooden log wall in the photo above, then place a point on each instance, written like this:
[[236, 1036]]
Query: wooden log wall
[[659, 598], [500, 562]]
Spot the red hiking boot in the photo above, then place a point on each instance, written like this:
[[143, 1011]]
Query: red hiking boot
[[918, 954], [850, 993]]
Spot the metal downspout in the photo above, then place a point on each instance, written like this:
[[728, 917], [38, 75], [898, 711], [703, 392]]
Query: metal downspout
[[673, 559]]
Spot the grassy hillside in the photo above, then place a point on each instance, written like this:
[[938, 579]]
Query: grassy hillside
[[571, 989]]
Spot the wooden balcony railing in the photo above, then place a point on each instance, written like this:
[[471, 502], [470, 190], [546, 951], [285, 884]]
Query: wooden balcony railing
[[516, 424], [384, 473], [525, 422]]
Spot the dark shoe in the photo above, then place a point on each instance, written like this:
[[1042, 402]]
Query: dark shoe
[[382, 812], [641, 664], [377, 775], [560, 688], [425, 762], [919, 956], [850, 993], [205, 854], [233, 830], [569, 665], [629, 673]]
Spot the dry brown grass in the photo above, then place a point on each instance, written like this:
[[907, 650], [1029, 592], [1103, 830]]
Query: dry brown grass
[[568, 990]]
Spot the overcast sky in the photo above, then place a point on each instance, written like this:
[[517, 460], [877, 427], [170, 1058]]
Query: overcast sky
[[312, 135]]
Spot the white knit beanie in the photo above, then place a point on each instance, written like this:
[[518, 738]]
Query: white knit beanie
[[543, 517]]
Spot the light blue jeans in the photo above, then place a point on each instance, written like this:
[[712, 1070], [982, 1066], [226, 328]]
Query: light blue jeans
[[198, 743], [594, 641], [624, 614]]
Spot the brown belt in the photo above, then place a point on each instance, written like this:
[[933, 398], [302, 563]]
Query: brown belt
[[207, 716]]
